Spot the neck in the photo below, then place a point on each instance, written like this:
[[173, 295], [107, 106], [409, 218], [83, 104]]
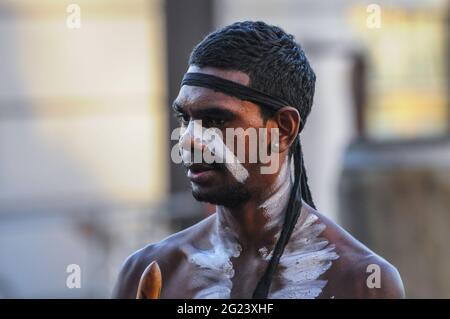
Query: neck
[[258, 222]]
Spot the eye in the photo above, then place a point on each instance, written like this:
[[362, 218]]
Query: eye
[[212, 122], [182, 118]]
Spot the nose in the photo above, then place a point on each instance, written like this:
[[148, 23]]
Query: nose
[[191, 142]]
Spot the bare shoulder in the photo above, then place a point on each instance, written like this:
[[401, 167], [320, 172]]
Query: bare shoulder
[[367, 276], [358, 272], [168, 253]]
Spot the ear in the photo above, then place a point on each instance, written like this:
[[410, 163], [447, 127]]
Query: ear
[[288, 120]]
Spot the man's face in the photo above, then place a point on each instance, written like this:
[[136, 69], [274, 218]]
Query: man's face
[[221, 183]]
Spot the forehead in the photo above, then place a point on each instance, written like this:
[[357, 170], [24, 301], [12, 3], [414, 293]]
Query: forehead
[[194, 97]]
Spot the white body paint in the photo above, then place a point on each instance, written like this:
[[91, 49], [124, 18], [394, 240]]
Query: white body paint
[[306, 256], [215, 269], [305, 259], [212, 140]]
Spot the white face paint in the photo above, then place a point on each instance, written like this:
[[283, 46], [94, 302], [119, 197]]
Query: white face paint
[[212, 140]]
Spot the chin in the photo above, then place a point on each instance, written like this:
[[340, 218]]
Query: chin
[[207, 196], [228, 196]]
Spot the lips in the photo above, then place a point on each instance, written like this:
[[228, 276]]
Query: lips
[[200, 173]]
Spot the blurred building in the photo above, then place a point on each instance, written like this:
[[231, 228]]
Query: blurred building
[[82, 141]]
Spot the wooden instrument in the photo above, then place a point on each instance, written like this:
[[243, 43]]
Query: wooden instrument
[[150, 283]]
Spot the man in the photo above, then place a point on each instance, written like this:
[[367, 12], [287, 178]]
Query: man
[[265, 240]]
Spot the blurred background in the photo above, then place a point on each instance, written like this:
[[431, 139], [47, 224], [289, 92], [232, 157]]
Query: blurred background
[[85, 121]]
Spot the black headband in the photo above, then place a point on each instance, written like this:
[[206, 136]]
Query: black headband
[[234, 89], [237, 90]]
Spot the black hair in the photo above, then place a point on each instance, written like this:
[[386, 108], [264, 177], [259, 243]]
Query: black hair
[[274, 62], [276, 65]]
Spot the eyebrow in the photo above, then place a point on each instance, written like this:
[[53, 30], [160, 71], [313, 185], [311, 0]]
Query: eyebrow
[[207, 111]]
